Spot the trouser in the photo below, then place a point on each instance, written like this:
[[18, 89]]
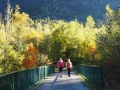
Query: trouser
[[69, 70], [60, 69]]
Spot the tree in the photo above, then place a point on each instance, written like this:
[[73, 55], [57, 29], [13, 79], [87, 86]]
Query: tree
[[90, 22], [8, 20], [30, 57], [20, 29], [108, 45]]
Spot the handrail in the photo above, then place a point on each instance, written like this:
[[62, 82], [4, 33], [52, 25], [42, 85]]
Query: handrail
[[24, 79], [92, 72]]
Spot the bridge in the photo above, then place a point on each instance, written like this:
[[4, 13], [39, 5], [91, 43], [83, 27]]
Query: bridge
[[45, 78]]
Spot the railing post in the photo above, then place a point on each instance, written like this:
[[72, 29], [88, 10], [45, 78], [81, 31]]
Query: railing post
[[24, 79], [26, 82], [0, 83], [44, 71], [15, 82], [91, 72], [100, 73]]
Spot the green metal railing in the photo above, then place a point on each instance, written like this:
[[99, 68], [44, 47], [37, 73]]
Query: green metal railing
[[24, 79], [92, 73]]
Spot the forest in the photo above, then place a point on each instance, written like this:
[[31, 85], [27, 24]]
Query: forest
[[29, 40], [62, 9]]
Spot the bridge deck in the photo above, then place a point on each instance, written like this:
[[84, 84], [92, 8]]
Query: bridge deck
[[54, 82]]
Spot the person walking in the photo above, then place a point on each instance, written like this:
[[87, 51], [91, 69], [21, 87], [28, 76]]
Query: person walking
[[60, 66], [69, 66]]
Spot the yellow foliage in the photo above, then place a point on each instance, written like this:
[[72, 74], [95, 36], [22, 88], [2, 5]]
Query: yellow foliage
[[2, 27], [119, 10], [36, 35], [1, 70], [39, 36], [18, 18], [110, 12], [92, 44], [90, 23], [31, 34], [2, 37]]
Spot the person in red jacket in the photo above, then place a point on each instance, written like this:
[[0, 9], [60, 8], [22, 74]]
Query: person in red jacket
[[60, 65], [69, 66]]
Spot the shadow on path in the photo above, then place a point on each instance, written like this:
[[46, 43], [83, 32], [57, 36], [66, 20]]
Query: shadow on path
[[54, 82]]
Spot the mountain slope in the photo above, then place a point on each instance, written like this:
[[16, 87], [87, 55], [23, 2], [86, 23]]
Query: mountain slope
[[62, 9]]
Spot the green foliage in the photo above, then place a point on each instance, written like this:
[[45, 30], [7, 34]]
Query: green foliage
[[108, 46], [81, 42], [13, 60], [88, 83], [70, 39], [20, 30]]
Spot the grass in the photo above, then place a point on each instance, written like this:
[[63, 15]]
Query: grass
[[115, 86], [88, 83]]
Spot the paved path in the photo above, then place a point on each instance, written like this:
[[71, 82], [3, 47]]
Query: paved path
[[54, 82]]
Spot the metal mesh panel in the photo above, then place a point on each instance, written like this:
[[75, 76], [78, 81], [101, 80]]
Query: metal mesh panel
[[92, 73], [24, 79]]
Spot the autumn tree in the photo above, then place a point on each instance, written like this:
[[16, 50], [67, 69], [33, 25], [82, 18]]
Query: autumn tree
[[70, 40], [17, 30], [30, 57]]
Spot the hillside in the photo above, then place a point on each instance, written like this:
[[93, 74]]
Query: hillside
[[62, 9]]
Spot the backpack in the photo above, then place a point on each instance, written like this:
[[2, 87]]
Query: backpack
[[68, 64], [60, 64]]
